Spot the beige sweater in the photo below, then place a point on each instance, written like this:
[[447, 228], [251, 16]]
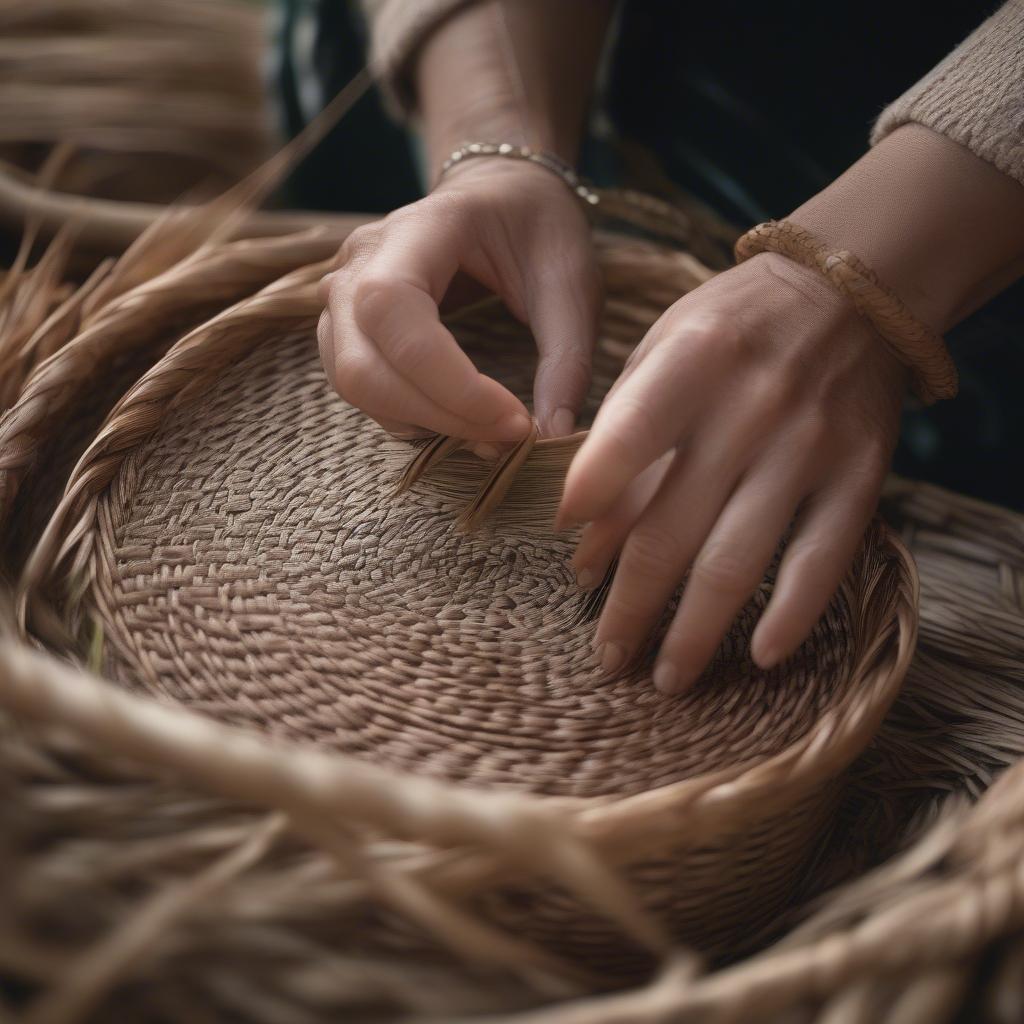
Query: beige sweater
[[975, 96]]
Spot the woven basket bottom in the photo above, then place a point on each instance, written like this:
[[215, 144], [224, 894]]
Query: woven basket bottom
[[255, 566]]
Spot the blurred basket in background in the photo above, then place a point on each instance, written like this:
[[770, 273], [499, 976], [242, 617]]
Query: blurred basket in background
[[156, 98]]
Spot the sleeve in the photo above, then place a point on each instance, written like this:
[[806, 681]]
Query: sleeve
[[397, 28], [975, 96]]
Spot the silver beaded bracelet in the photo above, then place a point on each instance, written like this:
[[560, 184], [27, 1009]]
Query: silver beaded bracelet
[[541, 157]]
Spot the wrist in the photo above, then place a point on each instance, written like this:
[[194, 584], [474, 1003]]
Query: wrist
[[519, 72], [941, 227], [480, 119], [500, 172]]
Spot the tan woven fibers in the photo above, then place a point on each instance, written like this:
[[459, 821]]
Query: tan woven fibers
[[240, 552], [110, 333]]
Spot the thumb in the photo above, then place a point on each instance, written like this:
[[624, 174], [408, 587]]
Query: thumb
[[563, 306]]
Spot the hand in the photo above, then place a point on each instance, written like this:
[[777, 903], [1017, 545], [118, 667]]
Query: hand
[[514, 228], [759, 396]]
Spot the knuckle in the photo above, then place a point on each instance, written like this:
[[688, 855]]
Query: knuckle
[[346, 250], [352, 375], [372, 300], [323, 287], [652, 551], [634, 427], [809, 554], [639, 352], [405, 350], [768, 400], [725, 573], [719, 333], [621, 605], [572, 366], [815, 431], [358, 242]]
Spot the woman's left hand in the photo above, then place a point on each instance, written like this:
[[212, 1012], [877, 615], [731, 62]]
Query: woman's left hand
[[758, 397]]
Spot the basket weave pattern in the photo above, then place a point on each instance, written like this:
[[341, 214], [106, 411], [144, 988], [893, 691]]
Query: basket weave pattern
[[239, 552]]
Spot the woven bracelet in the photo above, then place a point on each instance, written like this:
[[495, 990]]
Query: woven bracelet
[[540, 157], [919, 348]]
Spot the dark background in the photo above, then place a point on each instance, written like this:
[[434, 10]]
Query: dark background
[[751, 107]]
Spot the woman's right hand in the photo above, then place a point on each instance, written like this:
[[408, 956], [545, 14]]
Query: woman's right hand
[[509, 225]]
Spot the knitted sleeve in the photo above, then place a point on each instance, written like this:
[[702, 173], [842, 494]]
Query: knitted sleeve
[[976, 95], [397, 29]]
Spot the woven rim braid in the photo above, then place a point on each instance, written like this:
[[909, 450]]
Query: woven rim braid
[[78, 361], [233, 544]]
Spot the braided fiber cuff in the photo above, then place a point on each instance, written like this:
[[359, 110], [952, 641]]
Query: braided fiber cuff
[[919, 348]]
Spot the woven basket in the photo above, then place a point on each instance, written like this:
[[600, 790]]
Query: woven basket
[[145, 879], [233, 543]]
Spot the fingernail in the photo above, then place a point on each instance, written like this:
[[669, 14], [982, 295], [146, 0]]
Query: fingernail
[[666, 677], [514, 427], [562, 421], [586, 578], [764, 655], [613, 657], [483, 450]]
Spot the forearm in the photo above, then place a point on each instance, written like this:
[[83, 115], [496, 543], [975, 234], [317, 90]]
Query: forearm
[[942, 227], [518, 72]]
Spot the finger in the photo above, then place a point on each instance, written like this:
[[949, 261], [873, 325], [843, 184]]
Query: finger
[[412, 259], [649, 414], [661, 547], [402, 320], [564, 303], [602, 541], [369, 382], [824, 541], [730, 566]]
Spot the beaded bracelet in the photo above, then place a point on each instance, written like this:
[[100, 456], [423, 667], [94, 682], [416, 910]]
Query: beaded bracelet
[[540, 157], [919, 348]]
